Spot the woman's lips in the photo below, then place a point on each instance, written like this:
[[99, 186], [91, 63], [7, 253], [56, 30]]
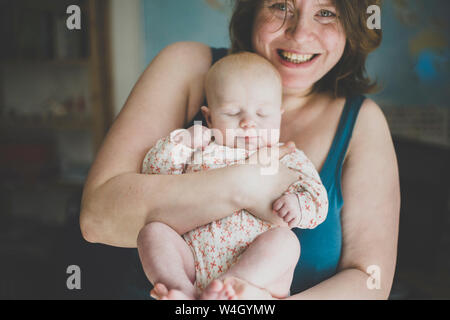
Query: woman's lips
[[285, 62]]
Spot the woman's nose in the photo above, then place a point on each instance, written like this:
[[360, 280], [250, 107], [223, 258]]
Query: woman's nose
[[300, 29]]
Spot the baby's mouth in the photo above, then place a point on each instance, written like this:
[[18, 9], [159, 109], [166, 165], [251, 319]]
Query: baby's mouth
[[246, 141], [296, 58]]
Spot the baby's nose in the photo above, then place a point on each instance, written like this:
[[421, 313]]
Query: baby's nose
[[247, 123]]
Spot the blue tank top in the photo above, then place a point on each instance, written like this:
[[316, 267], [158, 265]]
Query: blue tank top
[[320, 247]]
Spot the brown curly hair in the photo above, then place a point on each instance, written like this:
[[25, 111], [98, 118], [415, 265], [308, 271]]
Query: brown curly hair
[[348, 77]]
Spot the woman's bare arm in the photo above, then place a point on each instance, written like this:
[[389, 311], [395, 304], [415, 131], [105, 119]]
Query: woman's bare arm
[[370, 215], [118, 201]]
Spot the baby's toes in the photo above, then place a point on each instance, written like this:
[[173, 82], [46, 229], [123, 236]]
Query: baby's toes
[[159, 291], [229, 292]]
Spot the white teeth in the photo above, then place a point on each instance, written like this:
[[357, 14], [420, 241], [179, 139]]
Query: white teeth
[[296, 58]]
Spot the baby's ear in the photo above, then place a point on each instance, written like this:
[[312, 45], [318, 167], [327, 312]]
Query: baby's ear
[[207, 114]]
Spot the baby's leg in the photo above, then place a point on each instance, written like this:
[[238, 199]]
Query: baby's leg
[[269, 262], [167, 260]]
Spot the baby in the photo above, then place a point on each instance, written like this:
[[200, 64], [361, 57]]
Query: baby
[[244, 94]]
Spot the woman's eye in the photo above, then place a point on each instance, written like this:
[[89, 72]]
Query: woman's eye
[[279, 6], [326, 14], [281, 9]]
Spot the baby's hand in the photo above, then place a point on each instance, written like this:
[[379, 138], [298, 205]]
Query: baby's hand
[[288, 209], [194, 137]]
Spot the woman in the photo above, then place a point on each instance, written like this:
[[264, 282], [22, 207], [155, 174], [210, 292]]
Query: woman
[[344, 135]]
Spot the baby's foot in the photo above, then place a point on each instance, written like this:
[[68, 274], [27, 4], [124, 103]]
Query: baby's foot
[[244, 290], [160, 292], [217, 290], [175, 294]]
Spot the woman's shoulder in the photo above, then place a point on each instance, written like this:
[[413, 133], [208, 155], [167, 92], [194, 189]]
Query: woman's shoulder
[[371, 117], [192, 55], [185, 62], [371, 128]]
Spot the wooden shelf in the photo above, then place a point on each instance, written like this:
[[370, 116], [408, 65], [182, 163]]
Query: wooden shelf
[[85, 53]]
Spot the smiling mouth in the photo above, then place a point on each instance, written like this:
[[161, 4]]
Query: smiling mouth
[[296, 58]]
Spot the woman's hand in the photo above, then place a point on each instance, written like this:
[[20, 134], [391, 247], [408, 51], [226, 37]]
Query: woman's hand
[[264, 180]]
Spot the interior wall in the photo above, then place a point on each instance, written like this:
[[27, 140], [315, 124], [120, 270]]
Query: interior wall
[[169, 21], [127, 45]]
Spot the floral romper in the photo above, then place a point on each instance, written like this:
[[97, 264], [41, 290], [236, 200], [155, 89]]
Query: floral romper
[[217, 245]]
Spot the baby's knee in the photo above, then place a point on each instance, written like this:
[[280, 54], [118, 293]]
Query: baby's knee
[[288, 241], [152, 231]]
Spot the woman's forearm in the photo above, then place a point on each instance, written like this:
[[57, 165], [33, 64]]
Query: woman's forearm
[[262, 190], [349, 284], [115, 211]]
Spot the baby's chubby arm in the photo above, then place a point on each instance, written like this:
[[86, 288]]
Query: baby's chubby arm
[[170, 154], [305, 203], [194, 137]]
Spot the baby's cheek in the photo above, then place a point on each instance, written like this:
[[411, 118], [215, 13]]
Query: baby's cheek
[[219, 136], [272, 139]]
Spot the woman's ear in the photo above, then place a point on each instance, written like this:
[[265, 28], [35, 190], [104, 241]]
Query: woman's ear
[[282, 110], [207, 114]]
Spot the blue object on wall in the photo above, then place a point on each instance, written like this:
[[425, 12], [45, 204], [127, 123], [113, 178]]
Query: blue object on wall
[[412, 68], [428, 66], [169, 21]]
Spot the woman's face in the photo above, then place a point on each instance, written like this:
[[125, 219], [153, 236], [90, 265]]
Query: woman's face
[[306, 47]]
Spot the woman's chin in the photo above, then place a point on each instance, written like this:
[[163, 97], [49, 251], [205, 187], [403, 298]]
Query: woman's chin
[[297, 86]]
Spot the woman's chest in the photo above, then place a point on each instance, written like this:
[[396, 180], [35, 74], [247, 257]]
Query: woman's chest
[[314, 136]]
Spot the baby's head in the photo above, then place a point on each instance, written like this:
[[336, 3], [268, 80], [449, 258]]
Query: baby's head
[[244, 95]]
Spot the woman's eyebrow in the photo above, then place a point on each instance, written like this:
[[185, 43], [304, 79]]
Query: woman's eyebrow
[[325, 3]]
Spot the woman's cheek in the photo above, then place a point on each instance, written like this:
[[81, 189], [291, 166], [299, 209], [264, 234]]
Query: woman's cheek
[[264, 31], [334, 39]]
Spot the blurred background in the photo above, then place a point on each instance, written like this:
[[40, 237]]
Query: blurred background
[[60, 90]]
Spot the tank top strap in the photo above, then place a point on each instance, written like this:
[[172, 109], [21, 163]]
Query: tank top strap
[[217, 54], [332, 168]]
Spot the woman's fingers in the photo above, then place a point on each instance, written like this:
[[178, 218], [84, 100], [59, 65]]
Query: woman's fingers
[[287, 148], [290, 216], [294, 222], [267, 155], [278, 204], [283, 212]]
